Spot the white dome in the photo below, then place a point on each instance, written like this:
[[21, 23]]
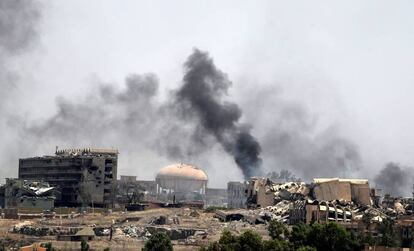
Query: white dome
[[181, 177]]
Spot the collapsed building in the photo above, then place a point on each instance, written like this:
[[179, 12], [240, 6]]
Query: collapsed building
[[83, 176], [345, 201], [321, 201], [17, 193], [181, 182], [356, 190]]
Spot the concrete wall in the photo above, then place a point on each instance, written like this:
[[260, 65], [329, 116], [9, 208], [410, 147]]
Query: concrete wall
[[236, 194], [361, 193], [332, 190]]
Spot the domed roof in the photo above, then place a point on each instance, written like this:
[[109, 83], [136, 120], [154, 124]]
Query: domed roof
[[183, 171]]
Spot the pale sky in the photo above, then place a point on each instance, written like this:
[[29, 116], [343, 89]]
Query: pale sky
[[348, 62]]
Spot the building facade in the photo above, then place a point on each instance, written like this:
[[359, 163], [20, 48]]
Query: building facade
[[83, 176], [237, 194]]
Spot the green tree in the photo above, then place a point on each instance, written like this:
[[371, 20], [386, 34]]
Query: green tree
[[388, 235], [276, 245], [277, 229], [299, 235], [249, 241], [330, 236], [306, 248], [84, 245], [158, 242]]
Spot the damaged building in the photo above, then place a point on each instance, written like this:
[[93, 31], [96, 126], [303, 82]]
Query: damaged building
[[324, 200], [83, 176], [17, 193], [356, 190]]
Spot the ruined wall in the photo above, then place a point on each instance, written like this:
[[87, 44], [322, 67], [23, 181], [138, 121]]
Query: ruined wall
[[332, 190], [236, 194], [361, 194], [356, 190], [258, 194]]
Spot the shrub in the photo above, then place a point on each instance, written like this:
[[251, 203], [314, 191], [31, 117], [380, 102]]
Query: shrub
[[84, 246], [158, 242], [277, 229]]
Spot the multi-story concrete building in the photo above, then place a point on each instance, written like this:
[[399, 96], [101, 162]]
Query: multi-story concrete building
[[83, 176]]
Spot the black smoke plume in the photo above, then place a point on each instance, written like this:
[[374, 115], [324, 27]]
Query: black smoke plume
[[395, 179], [202, 94]]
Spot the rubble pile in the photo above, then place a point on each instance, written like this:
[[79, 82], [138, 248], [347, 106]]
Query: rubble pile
[[289, 191], [43, 230], [331, 199]]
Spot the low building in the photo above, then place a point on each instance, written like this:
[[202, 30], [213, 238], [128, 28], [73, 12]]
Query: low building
[[28, 194]]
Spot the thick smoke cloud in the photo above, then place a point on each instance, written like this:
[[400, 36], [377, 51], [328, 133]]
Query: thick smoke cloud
[[19, 21], [292, 138], [18, 32], [194, 119], [202, 94], [18, 25], [133, 120], [395, 179]]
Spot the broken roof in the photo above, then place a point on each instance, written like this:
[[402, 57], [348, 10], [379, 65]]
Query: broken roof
[[352, 181]]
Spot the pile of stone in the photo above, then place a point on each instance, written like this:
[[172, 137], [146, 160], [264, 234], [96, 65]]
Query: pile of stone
[[43, 230]]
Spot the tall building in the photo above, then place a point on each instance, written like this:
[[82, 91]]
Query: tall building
[[83, 176]]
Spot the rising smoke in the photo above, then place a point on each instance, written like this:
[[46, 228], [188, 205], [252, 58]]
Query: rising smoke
[[18, 33], [395, 179], [292, 138], [197, 118], [19, 21], [202, 94], [132, 118]]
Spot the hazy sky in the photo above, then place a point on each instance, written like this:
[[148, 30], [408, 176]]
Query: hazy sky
[[349, 62]]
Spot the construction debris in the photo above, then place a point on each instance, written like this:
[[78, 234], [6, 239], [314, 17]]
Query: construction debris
[[333, 199]]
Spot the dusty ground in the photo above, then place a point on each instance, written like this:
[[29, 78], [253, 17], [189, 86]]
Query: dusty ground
[[177, 218]]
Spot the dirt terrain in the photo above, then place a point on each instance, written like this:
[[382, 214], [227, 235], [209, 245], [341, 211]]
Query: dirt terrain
[[188, 229]]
